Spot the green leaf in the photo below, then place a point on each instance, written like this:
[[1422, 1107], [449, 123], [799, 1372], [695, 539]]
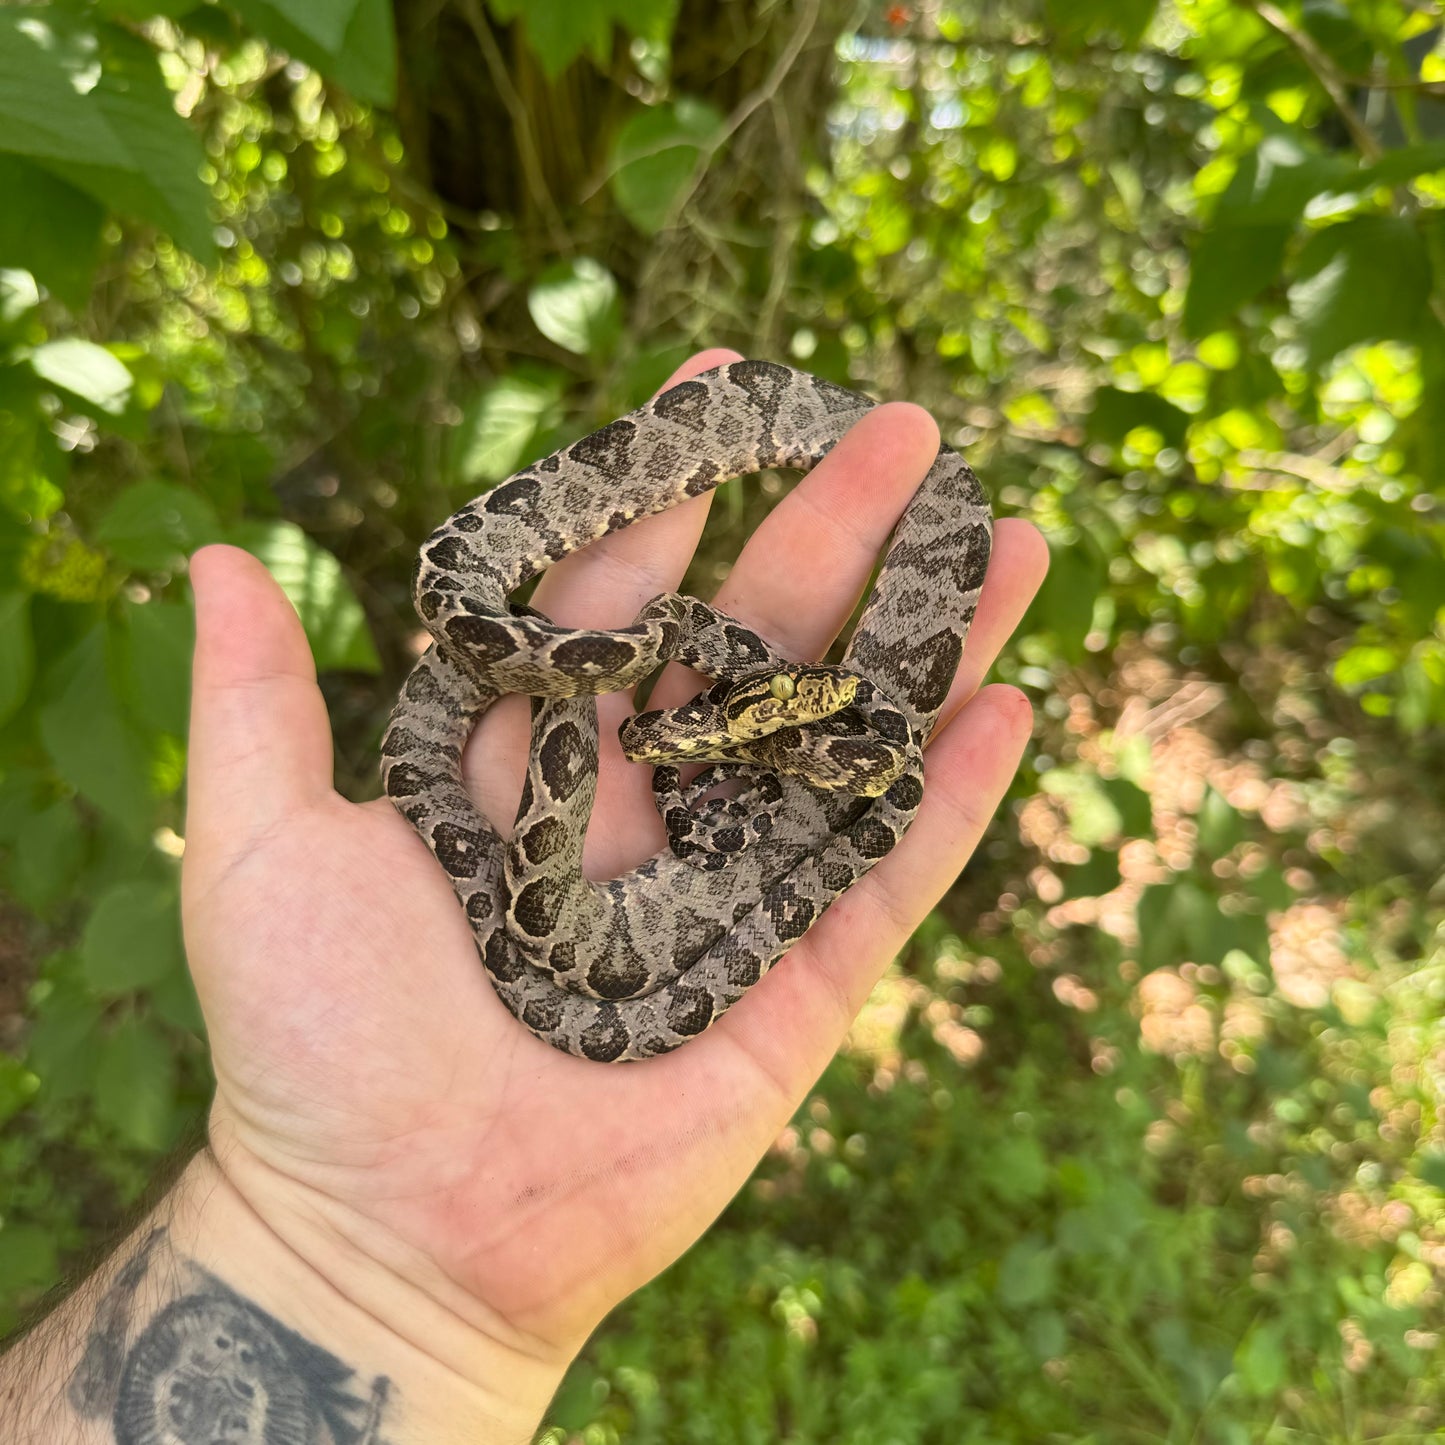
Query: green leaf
[[647, 370], [1015, 1171], [1079, 20], [146, 9], [160, 183], [26, 449], [135, 1084], [23, 791], [559, 30], [499, 425], [1093, 818], [173, 1000], [576, 305], [1116, 413], [19, 295], [100, 117], [1047, 1335], [1273, 891], [153, 526], [1220, 826], [323, 22], [47, 76], [654, 156], [157, 639], [49, 849], [312, 578], [28, 1259], [1364, 663], [132, 938], [17, 652], [1098, 876], [1398, 166], [1339, 34], [17, 1087], [1198, 1369], [1026, 1273], [94, 746], [1362, 280], [1063, 604], [1277, 180], [653, 20], [1430, 1166], [61, 1047], [1229, 266], [366, 64], [1246, 933], [573, 1407], [352, 42], [87, 373], [1175, 920], [1136, 809]]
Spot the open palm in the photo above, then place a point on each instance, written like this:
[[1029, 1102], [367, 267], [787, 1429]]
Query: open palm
[[368, 1077]]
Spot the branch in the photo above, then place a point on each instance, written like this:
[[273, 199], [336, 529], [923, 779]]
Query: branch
[[745, 108], [648, 283], [1416, 86], [785, 237], [1316, 472], [1324, 69]]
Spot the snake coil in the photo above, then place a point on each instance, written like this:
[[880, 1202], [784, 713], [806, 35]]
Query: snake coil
[[635, 966]]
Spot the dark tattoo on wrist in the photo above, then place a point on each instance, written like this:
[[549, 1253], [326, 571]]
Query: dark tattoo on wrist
[[211, 1368]]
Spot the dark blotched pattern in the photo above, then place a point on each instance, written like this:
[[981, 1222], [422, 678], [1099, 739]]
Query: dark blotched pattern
[[633, 967]]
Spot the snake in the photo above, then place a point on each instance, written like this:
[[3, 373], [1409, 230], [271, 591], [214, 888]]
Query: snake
[[814, 773]]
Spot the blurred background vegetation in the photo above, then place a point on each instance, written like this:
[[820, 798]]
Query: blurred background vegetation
[[1139, 1140]]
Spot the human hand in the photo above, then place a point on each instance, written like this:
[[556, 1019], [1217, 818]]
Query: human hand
[[376, 1106]]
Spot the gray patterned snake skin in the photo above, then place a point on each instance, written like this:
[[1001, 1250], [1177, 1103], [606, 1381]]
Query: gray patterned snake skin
[[635, 966]]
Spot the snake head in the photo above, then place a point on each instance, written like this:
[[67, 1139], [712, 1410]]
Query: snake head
[[786, 697]]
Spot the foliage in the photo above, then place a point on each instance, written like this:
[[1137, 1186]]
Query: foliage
[[1139, 1141]]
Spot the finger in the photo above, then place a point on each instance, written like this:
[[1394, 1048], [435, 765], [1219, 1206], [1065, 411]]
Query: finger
[[1017, 566], [260, 740], [602, 585], [606, 583], [792, 1023], [799, 577]]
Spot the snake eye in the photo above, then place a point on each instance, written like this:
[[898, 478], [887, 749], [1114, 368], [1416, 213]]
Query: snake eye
[[782, 687]]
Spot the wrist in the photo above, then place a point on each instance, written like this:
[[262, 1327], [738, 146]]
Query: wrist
[[444, 1370], [220, 1319]]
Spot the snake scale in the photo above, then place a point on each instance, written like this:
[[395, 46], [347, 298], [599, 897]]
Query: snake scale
[[634, 966]]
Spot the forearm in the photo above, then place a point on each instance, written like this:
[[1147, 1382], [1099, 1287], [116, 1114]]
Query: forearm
[[206, 1325]]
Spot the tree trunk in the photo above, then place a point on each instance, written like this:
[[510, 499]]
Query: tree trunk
[[509, 151]]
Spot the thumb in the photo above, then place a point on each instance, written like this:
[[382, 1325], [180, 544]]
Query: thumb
[[260, 740]]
